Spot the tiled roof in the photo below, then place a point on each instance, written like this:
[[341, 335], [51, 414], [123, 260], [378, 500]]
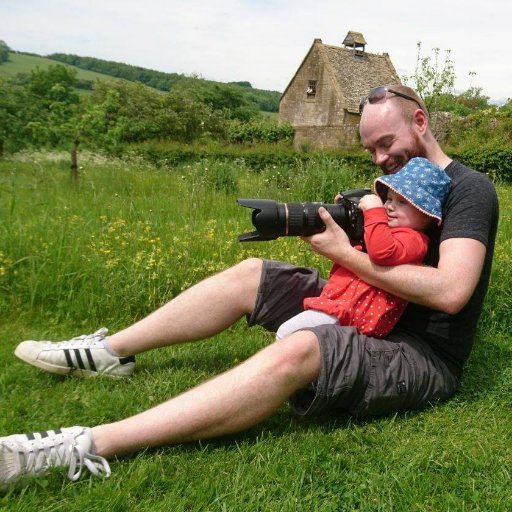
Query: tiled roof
[[357, 72]]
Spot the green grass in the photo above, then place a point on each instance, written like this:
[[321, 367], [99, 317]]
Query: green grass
[[19, 63], [128, 239]]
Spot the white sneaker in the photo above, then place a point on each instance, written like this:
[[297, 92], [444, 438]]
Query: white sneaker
[[84, 356], [24, 455]]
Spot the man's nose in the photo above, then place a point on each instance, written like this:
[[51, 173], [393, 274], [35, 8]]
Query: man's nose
[[379, 157]]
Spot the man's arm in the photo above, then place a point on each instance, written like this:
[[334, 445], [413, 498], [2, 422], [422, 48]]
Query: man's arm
[[446, 288]]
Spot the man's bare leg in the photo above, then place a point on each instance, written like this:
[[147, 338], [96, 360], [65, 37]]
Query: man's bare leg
[[228, 403], [203, 310]]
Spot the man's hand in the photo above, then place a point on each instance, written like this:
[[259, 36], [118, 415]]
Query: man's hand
[[332, 243]]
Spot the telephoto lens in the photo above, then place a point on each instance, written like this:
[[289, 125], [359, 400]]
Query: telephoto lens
[[273, 219]]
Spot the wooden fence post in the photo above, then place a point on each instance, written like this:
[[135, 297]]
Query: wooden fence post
[[74, 163]]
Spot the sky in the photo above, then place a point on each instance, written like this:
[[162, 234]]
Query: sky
[[264, 41]]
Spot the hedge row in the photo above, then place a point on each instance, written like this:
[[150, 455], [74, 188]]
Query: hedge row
[[495, 161], [257, 157], [172, 156]]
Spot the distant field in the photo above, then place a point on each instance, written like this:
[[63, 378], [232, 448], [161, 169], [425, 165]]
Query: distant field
[[271, 115], [25, 63], [22, 63]]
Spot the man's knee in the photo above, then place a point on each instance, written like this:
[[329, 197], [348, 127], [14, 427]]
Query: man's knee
[[245, 280], [249, 267], [299, 356]]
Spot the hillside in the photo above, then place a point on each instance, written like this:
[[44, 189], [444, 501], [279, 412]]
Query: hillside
[[24, 63], [90, 69]]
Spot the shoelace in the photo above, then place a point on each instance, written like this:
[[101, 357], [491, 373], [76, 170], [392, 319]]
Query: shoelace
[[83, 340], [37, 460], [97, 465]]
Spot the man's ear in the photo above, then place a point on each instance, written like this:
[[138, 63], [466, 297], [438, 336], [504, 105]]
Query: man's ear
[[420, 121]]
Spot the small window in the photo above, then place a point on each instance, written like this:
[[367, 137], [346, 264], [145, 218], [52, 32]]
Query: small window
[[311, 90]]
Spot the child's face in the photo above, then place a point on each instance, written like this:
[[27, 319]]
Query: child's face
[[403, 214]]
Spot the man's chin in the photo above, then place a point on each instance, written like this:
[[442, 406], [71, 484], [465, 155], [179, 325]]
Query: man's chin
[[392, 169], [396, 166]]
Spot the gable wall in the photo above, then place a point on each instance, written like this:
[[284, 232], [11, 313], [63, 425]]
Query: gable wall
[[323, 110]]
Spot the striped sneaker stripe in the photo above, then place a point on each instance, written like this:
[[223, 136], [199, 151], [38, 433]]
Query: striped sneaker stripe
[[83, 359], [78, 357], [41, 435], [92, 366], [80, 363], [68, 358]]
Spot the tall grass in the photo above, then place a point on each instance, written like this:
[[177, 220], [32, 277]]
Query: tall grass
[[135, 234], [131, 237]]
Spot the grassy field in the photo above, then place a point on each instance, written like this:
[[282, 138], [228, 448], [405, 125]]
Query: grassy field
[[127, 239], [19, 63]]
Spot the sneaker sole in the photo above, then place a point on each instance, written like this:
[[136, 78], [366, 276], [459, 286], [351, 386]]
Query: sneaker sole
[[75, 372]]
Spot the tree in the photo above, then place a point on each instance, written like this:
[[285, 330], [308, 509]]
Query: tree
[[121, 112], [4, 52], [187, 119], [506, 109], [463, 104], [431, 79], [52, 90], [39, 109], [230, 100], [16, 110]]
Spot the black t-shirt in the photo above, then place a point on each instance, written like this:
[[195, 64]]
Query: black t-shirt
[[471, 211]]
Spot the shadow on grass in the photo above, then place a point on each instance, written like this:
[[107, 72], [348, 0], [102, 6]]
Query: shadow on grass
[[487, 375]]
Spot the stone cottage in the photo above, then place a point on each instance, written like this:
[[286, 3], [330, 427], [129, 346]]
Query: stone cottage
[[321, 101]]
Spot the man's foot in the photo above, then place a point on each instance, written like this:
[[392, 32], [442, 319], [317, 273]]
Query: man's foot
[[23, 455], [84, 356]]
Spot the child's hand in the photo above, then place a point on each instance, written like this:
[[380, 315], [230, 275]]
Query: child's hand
[[370, 201]]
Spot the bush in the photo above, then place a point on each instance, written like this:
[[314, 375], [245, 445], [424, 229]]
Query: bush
[[259, 131], [481, 127], [168, 154], [222, 176], [257, 157], [493, 159]]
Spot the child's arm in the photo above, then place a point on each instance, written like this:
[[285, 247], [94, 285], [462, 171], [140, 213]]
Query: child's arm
[[386, 246]]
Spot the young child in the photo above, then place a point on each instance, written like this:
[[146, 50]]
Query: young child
[[396, 222]]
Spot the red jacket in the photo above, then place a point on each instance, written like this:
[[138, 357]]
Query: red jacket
[[356, 303]]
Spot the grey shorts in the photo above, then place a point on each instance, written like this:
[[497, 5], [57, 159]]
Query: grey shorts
[[360, 375]]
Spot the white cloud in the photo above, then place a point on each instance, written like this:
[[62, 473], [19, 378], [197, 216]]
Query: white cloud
[[265, 41]]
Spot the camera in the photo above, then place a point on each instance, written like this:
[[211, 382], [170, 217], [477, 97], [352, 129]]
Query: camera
[[273, 219]]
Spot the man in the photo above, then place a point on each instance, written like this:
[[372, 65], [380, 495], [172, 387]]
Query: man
[[325, 367]]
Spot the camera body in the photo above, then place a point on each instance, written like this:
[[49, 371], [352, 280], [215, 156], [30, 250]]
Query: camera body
[[273, 219]]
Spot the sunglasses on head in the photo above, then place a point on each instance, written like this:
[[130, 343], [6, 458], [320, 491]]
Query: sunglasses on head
[[380, 93]]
